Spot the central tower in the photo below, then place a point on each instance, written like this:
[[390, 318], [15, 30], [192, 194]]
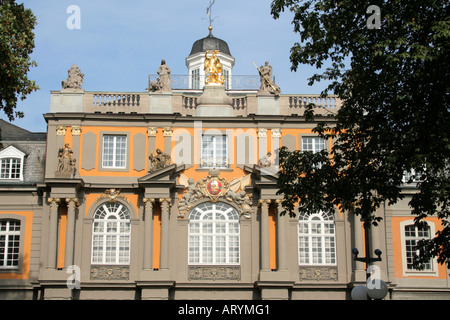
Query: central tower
[[195, 62]]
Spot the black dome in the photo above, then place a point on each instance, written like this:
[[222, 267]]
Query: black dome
[[210, 43]]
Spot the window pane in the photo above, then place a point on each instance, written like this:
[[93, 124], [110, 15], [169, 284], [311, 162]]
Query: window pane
[[316, 240], [114, 151], [412, 235], [213, 234], [313, 144], [10, 168], [111, 231], [215, 151], [9, 243]]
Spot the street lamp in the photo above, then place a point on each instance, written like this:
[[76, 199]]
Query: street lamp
[[367, 260], [375, 291]]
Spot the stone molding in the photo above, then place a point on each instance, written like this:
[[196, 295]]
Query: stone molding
[[318, 273], [214, 273], [110, 272]]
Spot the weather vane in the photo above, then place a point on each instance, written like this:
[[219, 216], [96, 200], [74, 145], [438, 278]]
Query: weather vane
[[209, 12]]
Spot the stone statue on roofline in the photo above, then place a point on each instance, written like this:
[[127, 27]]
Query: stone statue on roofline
[[268, 86], [164, 81], [74, 82]]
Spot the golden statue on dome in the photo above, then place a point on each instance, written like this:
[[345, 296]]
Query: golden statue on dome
[[213, 68]]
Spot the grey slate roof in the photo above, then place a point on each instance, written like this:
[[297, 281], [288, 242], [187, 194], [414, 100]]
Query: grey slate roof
[[210, 43], [11, 132], [33, 144]]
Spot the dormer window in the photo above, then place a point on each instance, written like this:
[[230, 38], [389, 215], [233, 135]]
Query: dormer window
[[11, 164]]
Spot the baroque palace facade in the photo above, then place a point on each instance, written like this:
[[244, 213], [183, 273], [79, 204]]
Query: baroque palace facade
[[171, 194]]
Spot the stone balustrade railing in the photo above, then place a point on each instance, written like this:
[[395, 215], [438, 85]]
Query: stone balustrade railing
[[185, 103]]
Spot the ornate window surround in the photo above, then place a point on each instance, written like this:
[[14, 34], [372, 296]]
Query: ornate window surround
[[433, 272], [21, 219], [320, 219], [208, 220], [111, 224], [13, 153], [101, 272]]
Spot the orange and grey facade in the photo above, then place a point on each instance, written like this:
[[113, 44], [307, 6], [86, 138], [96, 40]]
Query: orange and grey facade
[[160, 195]]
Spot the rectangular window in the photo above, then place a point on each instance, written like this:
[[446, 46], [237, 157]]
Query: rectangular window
[[114, 152], [226, 76], [9, 244], [195, 74], [412, 235], [215, 152], [411, 176], [313, 144], [10, 168]]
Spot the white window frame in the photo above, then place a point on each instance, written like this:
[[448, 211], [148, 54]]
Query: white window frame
[[115, 149], [111, 228], [8, 155], [195, 78], [433, 271], [227, 78], [314, 141], [7, 237], [205, 163], [312, 229], [408, 174], [211, 224]]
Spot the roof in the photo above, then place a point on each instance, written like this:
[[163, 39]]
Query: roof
[[210, 43], [10, 132]]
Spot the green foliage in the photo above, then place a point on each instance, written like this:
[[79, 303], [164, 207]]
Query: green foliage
[[16, 44], [394, 83]]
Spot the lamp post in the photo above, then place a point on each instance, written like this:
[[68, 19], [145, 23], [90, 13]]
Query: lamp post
[[375, 288]]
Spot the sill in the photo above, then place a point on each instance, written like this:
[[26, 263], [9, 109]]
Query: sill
[[113, 169], [420, 273], [10, 270]]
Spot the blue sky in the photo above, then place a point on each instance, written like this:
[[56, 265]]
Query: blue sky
[[121, 42]]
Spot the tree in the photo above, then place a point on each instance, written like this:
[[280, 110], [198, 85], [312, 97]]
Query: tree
[[394, 84], [16, 45]]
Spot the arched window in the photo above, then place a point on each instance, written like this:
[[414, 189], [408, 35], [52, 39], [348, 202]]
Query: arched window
[[214, 235], [316, 239], [111, 234]]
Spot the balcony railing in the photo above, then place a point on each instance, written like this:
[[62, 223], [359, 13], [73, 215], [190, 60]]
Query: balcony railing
[[184, 102], [234, 82]]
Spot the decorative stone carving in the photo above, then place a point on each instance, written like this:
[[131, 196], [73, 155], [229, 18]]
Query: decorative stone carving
[[159, 161], [76, 130], [318, 273], [151, 132], [104, 272], [60, 130], [214, 272], [268, 85], [215, 188], [276, 133], [56, 201], [66, 165], [168, 132], [74, 82], [112, 195], [262, 133], [164, 81], [265, 161]]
